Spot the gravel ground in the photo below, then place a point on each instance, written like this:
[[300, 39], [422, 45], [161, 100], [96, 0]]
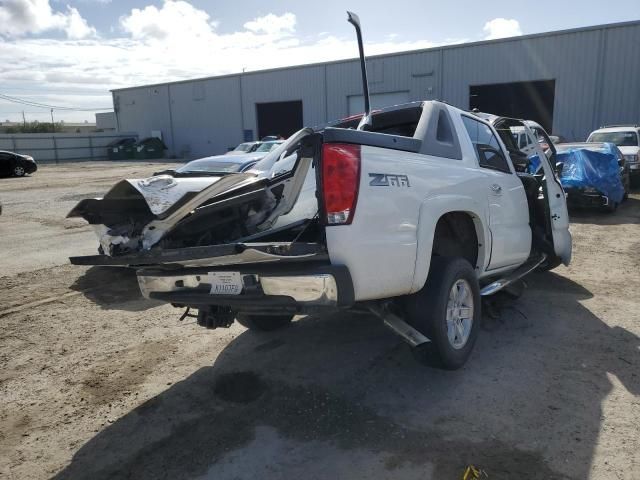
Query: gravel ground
[[96, 382]]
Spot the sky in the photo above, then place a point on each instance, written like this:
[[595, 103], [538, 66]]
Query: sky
[[70, 53]]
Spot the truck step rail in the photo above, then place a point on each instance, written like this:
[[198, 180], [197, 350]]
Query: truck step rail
[[524, 269]]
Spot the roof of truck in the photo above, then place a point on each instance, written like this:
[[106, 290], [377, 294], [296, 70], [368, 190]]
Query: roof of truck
[[618, 128]]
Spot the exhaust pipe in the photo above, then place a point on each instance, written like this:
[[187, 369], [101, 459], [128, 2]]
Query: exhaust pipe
[[366, 118]]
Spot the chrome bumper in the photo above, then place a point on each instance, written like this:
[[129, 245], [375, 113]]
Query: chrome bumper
[[317, 290]]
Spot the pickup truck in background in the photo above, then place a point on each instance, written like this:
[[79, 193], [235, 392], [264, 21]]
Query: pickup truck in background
[[412, 212], [626, 138]]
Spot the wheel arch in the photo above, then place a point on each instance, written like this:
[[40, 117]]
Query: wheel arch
[[438, 211]]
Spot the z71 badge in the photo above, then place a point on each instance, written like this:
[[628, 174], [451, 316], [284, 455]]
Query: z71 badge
[[388, 180]]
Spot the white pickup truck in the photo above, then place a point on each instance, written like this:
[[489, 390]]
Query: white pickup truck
[[413, 216], [414, 219]]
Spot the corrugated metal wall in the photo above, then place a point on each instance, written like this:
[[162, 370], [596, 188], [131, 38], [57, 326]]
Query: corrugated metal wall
[[597, 74], [62, 147]]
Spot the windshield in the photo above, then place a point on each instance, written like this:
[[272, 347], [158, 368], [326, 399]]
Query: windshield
[[210, 166], [621, 139], [267, 146], [243, 147]]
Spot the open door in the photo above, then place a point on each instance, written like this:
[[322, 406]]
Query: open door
[[550, 218], [555, 197]]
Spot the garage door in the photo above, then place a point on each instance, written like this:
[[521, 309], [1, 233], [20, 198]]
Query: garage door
[[378, 100], [530, 100], [280, 119]]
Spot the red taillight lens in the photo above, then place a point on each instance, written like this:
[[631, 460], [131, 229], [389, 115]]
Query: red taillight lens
[[340, 181]]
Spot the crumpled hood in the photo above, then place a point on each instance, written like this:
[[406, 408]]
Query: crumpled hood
[[159, 192], [162, 191]]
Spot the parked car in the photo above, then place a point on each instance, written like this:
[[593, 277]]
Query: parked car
[[555, 139], [221, 164], [528, 146], [626, 138], [16, 165], [218, 165], [593, 174], [413, 216], [246, 147]]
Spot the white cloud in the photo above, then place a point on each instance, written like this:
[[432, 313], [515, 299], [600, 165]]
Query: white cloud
[[22, 17], [501, 28], [273, 24], [77, 27], [173, 19]]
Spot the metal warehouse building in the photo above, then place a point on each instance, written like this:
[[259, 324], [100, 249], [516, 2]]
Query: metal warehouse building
[[570, 81]]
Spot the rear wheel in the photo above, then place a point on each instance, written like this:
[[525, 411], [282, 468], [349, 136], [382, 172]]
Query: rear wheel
[[19, 171], [264, 323], [447, 311]]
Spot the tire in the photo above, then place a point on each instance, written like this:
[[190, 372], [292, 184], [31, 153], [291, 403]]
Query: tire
[[264, 323], [426, 311], [612, 207], [19, 171]]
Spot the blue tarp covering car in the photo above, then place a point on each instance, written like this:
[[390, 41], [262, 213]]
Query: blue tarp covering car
[[587, 171]]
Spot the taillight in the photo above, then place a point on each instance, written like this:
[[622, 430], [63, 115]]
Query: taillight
[[340, 181]]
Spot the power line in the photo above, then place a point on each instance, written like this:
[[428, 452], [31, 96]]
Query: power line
[[54, 107]]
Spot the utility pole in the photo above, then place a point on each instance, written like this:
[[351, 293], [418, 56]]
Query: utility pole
[[24, 120], [53, 125]]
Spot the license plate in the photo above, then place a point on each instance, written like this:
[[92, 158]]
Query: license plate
[[225, 283]]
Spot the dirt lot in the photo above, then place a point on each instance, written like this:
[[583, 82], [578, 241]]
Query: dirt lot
[[96, 382]]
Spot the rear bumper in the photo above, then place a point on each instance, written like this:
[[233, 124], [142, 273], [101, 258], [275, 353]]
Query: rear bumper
[[266, 289]]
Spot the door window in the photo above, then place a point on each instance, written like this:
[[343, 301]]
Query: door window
[[486, 146]]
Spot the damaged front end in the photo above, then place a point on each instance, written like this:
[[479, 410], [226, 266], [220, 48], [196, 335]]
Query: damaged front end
[[138, 219]]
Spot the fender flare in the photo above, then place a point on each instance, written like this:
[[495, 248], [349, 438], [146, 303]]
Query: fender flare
[[431, 210]]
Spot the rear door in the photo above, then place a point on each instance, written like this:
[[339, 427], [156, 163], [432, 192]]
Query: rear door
[[508, 218]]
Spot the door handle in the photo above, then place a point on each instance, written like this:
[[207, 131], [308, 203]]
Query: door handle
[[496, 189]]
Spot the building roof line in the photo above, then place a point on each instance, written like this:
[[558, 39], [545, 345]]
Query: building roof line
[[553, 33]]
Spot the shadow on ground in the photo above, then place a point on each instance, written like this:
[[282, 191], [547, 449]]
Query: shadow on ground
[[627, 213], [341, 397], [113, 288]]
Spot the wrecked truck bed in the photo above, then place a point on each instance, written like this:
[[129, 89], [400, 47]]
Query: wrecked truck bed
[[190, 220]]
